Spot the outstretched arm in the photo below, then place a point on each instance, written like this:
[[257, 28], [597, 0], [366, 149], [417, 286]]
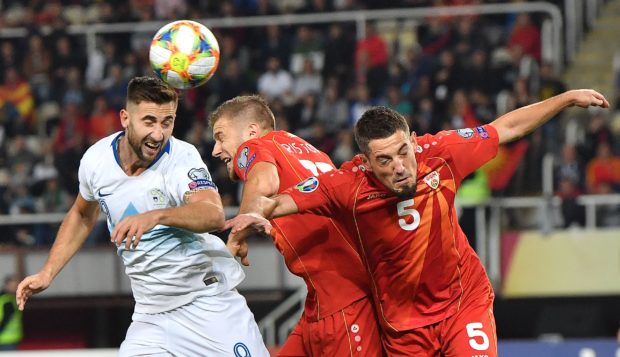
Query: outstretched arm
[[203, 212], [73, 231], [522, 121]]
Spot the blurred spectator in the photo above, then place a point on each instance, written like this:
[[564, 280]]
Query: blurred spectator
[[69, 140], [477, 75], [446, 79], [20, 154], [307, 46], [597, 132], [170, 9], [308, 82], [70, 88], [395, 101], [37, 64], [274, 44], [572, 212], [18, 92], [114, 87], [423, 120], [570, 167], [603, 172], [99, 62], [332, 111], [360, 103], [319, 138], [344, 147], [66, 56], [371, 60], [525, 35], [275, 82], [339, 50], [8, 56], [234, 82], [103, 121], [11, 330], [304, 114], [434, 36]]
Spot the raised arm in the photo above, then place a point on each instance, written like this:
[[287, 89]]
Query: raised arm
[[522, 121], [73, 231]]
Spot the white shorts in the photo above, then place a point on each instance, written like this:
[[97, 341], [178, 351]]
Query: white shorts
[[220, 325]]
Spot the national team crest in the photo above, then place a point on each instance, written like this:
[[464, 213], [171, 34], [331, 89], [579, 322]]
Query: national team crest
[[308, 185], [432, 180], [158, 198]]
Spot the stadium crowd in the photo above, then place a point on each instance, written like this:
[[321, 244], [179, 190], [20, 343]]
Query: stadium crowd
[[56, 97]]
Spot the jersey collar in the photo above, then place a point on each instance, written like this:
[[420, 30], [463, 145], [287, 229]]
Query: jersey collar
[[118, 159]]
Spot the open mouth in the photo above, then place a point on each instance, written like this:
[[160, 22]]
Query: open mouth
[[152, 147]]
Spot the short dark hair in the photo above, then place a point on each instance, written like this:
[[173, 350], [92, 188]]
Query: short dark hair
[[378, 123], [245, 106], [150, 89]]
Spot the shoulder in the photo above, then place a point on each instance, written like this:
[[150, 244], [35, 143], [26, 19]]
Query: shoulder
[[180, 151], [180, 147]]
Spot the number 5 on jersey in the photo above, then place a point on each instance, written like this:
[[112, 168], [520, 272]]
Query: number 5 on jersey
[[405, 210]]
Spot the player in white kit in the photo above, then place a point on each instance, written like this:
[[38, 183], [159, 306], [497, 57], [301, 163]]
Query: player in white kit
[[158, 197]]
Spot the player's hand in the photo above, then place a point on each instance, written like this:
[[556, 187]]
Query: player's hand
[[237, 245], [132, 228], [32, 284], [241, 227], [587, 97], [244, 221]]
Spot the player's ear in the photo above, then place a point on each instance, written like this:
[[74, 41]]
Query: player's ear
[[414, 139], [366, 161], [254, 130], [124, 115]]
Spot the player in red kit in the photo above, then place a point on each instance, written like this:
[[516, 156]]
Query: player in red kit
[[431, 292], [338, 317]]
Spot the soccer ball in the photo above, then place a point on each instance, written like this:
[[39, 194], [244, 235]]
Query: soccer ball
[[184, 54]]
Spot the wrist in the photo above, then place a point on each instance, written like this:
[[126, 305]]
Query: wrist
[[159, 216], [569, 98], [47, 273]]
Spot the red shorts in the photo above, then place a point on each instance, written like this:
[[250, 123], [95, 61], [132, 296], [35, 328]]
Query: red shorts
[[352, 331], [469, 332]]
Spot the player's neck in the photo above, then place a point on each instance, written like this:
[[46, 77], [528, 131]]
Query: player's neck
[[130, 162]]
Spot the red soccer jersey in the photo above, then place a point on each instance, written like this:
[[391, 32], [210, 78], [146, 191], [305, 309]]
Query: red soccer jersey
[[419, 259], [313, 247]]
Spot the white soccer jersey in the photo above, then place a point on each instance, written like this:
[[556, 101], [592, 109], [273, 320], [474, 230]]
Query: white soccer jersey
[[169, 267]]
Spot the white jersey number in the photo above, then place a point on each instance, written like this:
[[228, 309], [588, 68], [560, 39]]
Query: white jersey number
[[316, 167], [474, 329], [404, 210]]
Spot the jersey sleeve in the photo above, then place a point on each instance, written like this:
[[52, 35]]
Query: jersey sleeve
[[324, 195], [84, 176], [189, 173], [249, 154], [469, 148]]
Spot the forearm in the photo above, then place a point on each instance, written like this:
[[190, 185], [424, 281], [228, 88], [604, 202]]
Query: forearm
[[199, 217], [520, 122], [73, 232]]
